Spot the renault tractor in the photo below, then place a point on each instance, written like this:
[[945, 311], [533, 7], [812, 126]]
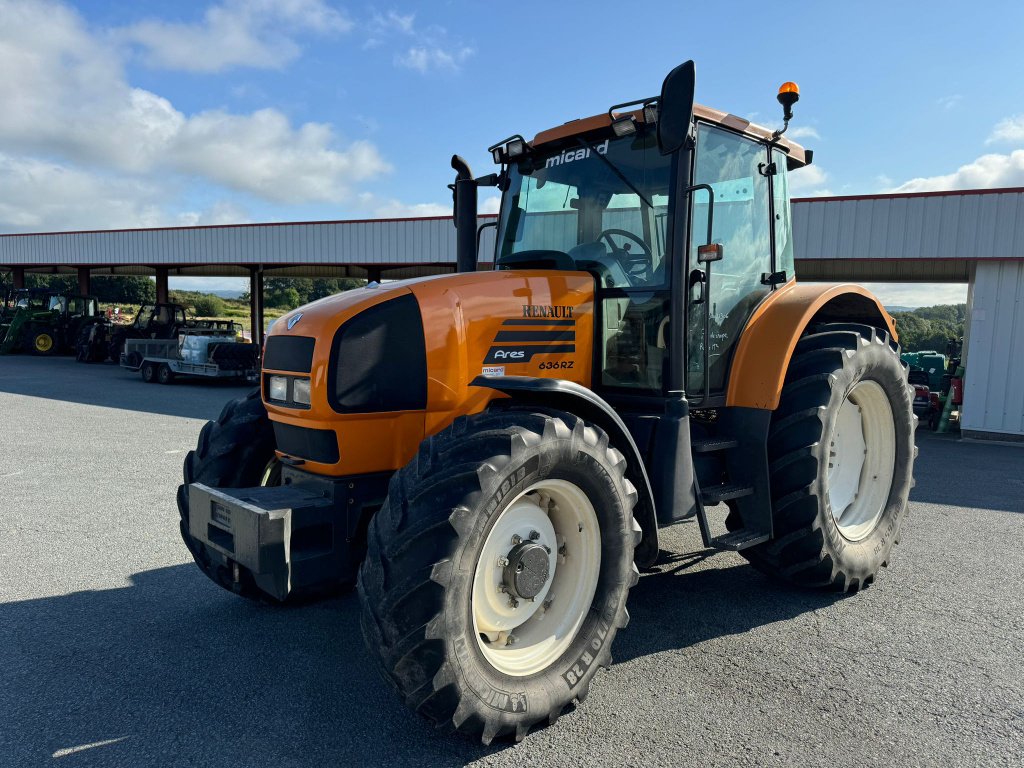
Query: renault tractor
[[488, 456]]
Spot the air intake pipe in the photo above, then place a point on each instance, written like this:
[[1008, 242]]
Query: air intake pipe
[[464, 193]]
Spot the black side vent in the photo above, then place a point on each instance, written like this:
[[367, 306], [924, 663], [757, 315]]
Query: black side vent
[[379, 360], [320, 445], [289, 353]]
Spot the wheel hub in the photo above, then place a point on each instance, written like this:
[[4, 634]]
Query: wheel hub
[[527, 570], [536, 577]]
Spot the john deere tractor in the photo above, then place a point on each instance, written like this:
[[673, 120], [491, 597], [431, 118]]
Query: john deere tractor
[[45, 322], [488, 456]]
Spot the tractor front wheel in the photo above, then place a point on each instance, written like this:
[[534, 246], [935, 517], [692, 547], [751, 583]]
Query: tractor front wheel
[[497, 570], [841, 452], [43, 342]]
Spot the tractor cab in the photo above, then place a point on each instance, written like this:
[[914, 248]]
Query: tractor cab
[[595, 195], [159, 320]]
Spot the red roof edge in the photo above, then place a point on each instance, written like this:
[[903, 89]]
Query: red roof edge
[[229, 226], [897, 195]]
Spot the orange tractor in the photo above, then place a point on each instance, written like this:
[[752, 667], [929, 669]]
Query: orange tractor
[[488, 456]]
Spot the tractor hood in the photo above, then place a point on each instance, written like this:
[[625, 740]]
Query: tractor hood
[[391, 363]]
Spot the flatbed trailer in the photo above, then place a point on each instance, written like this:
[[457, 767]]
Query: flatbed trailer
[[159, 361]]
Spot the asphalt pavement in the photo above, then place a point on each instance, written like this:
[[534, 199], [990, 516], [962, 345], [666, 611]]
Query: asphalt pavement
[[116, 650]]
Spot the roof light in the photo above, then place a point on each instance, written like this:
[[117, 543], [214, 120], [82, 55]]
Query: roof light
[[516, 147], [650, 113], [624, 126]]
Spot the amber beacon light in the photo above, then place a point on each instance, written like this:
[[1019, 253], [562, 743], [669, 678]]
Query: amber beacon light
[[789, 94]]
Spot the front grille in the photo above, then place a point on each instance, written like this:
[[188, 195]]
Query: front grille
[[379, 360], [289, 353], [320, 445]]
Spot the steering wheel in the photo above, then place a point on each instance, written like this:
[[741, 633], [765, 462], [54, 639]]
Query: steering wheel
[[630, 261]]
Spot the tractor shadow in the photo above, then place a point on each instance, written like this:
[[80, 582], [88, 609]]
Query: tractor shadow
[[685, 600], [171, 670]]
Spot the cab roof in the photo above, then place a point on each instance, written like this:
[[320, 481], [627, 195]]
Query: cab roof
[[798, 156]]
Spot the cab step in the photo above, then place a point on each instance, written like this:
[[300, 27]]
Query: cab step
[[719, 493], [740, 539], [713, 444]]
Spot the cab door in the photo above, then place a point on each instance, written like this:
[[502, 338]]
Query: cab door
[[722, 295]]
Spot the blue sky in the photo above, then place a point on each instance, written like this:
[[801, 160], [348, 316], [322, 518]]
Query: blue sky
[[121, 114]]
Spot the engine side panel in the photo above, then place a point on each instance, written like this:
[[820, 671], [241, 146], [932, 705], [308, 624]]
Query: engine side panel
[[502, 323]]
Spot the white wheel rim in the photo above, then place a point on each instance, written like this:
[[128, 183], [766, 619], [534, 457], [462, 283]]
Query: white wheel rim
[[862, 457], [521, 636]]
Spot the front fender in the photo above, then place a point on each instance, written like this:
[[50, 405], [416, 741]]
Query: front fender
[[574, 398]]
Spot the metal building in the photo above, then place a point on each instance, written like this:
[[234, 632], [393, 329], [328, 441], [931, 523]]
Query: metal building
[[970, 236]]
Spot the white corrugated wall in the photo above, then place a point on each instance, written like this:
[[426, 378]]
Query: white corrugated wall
[[994, 384]]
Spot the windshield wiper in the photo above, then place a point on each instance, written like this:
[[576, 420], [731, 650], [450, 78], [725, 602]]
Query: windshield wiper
[[615, 170]]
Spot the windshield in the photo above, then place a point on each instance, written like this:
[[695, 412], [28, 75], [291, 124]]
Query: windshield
[[603, 204]]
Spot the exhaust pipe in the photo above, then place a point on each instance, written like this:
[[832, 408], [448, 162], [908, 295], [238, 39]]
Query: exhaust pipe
[[464, 192]]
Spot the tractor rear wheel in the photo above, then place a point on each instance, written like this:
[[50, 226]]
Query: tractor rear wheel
[[235, 451], [841, 453], [497, 570]]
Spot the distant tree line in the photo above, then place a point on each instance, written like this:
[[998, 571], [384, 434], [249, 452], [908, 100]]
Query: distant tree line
[[291, 292], [109, 289], [930, 328]]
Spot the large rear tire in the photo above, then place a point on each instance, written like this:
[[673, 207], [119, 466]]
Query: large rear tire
[[477, 625], [841, 453], [235, 451]]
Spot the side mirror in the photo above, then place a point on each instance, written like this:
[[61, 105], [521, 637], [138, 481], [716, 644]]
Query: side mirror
[[675, 108], [710, 252]]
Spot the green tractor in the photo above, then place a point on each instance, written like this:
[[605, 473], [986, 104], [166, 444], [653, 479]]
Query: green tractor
[[43, 321]]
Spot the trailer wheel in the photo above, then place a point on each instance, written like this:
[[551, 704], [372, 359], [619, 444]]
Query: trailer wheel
[[43, 342], [149, 372], [235, 451], [841, 452], [164, 374], [497, 570]]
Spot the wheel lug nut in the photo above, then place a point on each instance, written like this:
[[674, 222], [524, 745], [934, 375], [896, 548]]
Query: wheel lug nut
[[512, 602], [502, 562], [510, 640], [517, 539], [534, 535]]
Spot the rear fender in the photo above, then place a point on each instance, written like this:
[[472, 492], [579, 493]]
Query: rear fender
[[766, 346]]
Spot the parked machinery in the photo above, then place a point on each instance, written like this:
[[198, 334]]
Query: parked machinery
[[45, 322]]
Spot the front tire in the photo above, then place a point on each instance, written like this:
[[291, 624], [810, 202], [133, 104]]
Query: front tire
[[43, 343], [841, 453], [476, 645]]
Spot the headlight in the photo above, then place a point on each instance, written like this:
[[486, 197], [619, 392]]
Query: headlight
[[277, 388], [300, 391]]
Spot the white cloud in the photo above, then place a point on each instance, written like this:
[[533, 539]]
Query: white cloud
[[65, 96], [247, 33], [949, 102], [41, 196], [431, 48], [987, 172], [490, 204], [425, 59], [808, 182], [221, 212], [918, 294], [1009, 129], [803, 132]]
